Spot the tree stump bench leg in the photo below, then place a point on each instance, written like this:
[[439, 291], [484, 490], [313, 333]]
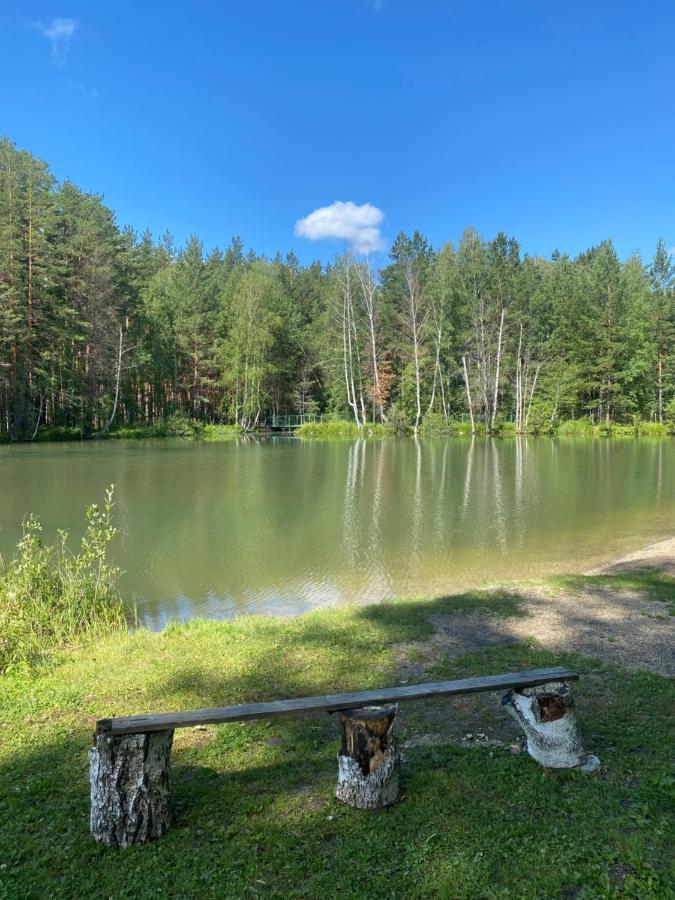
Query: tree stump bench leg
[[130, 793], [368, 760], [546, 715]]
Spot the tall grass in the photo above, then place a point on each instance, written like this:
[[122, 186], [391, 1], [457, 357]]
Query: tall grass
[[341, 428], [50, 597]]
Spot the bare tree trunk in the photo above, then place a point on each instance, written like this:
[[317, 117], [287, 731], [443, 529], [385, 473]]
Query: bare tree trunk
[[660, 380], [468, 394], [347, 350], [368, 293], [117, 379], [498, 364], [534, 386], [39, 418], [130, 792], [519, 381], [368, 761], [415, 322]]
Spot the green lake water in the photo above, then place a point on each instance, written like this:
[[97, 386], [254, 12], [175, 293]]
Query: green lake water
[[283, 525]]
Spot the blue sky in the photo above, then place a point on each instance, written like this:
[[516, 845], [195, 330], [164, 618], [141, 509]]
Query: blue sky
[[552, 121]]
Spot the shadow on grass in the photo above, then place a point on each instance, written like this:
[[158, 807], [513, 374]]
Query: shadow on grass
[[254, 806], [255, 812], [643, 580]]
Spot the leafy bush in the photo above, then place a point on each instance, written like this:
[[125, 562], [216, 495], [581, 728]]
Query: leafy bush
[[504, 428], [175, 425], [179, 425], [49, 597], [670, 416], [59, 433], [398, 422], [435, 424], [542, 418]]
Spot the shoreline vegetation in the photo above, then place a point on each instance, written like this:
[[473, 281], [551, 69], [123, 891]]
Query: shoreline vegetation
[[179, 425], [107, 332], [254, 806]]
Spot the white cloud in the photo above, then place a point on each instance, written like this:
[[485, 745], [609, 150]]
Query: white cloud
[[59, 33], [358, 225]]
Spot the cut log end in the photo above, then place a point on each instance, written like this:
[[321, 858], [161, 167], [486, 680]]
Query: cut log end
[[368, 761], [129, 783], [546, 715]]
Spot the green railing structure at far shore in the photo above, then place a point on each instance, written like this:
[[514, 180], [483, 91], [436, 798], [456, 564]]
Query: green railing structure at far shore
[[288, 422]]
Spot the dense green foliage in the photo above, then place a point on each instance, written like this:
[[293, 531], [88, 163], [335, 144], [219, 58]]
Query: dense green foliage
[[50, 596], [103, 329], [254, 807]]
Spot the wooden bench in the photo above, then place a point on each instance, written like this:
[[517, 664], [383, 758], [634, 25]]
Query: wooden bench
[[129, 762]]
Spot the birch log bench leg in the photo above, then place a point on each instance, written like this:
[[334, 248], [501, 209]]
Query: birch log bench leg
[[545, 713], [129, 761]]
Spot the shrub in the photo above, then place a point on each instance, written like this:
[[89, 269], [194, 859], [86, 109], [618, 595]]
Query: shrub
[[435, 424], [541, 419], [504, 428], [59, 433], [179, 425], [49, 597], [175, 425], [670, 416], [397, 421]]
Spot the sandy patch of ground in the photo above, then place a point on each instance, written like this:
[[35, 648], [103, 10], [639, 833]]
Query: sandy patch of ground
[[659, 556], [625, 627]]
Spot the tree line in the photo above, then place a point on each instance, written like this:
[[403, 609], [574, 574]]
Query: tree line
[[102, 327]]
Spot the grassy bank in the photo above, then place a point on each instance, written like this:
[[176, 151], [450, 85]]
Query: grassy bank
[[433, 425], [436, 426], [254, 812], [178, 425]]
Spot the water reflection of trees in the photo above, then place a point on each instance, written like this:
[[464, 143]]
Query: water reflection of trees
[[282, 527]]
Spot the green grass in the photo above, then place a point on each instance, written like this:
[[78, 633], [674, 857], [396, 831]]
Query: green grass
[[217, 433], [254, 812], [341, 428]]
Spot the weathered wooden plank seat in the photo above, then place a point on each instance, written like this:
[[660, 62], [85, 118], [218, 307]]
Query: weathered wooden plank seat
[[129, 762]]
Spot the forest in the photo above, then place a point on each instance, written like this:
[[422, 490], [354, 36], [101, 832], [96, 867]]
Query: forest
[[102, 327]]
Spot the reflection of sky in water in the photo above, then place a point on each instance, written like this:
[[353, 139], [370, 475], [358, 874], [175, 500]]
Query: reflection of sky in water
[[284, 526]]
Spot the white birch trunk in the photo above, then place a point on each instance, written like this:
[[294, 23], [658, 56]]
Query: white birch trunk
[[129, 787], [498, 365], [468, 394], [546, 716]]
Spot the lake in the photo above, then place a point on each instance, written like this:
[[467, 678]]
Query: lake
[[283, 525]]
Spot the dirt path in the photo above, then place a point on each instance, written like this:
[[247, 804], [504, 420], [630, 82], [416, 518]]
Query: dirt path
[[625, 627]]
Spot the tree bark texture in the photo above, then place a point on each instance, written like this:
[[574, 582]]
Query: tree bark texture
[[546, 716], [368, 761], [130, 793]]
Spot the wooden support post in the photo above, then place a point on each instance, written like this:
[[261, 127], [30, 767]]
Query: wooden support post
[[368, 761], [130, 794], [546, 715]]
